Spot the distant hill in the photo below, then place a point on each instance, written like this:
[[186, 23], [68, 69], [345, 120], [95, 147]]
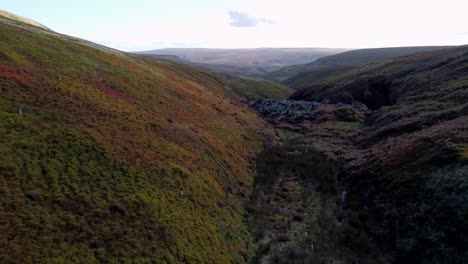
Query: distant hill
[[248, 62], [373, 84], [234, 86], [172, 58], [301, 76]]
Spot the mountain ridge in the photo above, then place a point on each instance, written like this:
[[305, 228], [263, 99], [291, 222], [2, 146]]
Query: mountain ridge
[[12, 16]]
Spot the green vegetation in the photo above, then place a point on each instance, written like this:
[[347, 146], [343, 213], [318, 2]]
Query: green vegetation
[[245, 89], [110, 158], [305, 79], [434, 217], [76, 215]]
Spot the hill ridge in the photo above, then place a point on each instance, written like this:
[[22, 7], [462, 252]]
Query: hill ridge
[[298, 76], [25, 20]]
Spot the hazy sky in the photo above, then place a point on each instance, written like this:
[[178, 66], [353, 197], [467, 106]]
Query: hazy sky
[[150, 24]]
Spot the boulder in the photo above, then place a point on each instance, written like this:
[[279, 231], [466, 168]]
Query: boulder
[[33, 195], [118, 208]]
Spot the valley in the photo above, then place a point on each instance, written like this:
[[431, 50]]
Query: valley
[[368, 183], [230, 155]]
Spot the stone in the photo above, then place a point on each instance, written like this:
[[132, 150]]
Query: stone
[[118, 208], [33, 195]]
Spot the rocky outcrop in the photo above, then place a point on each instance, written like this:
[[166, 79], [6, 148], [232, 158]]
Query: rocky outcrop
[[302, 115], [33, 195], [272, 107]]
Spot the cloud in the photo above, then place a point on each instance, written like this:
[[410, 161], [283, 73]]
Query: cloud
[[240, 19]]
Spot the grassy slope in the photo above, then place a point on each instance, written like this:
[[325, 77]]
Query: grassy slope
[[428, 74], [246, 89], [302, 76], [305, 79], [134, 160]]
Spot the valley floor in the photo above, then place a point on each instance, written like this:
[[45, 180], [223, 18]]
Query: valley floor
[[324, 194]]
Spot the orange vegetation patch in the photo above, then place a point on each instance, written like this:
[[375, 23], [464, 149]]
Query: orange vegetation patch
[[114, 94], [16, 75]]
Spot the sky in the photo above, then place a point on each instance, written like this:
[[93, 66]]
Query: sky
[[152, 24]]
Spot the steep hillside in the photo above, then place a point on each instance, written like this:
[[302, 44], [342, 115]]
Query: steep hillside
[[248, 62], [372, 166], [110, 158], [301, 76], [237, 87], [246, 89]]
